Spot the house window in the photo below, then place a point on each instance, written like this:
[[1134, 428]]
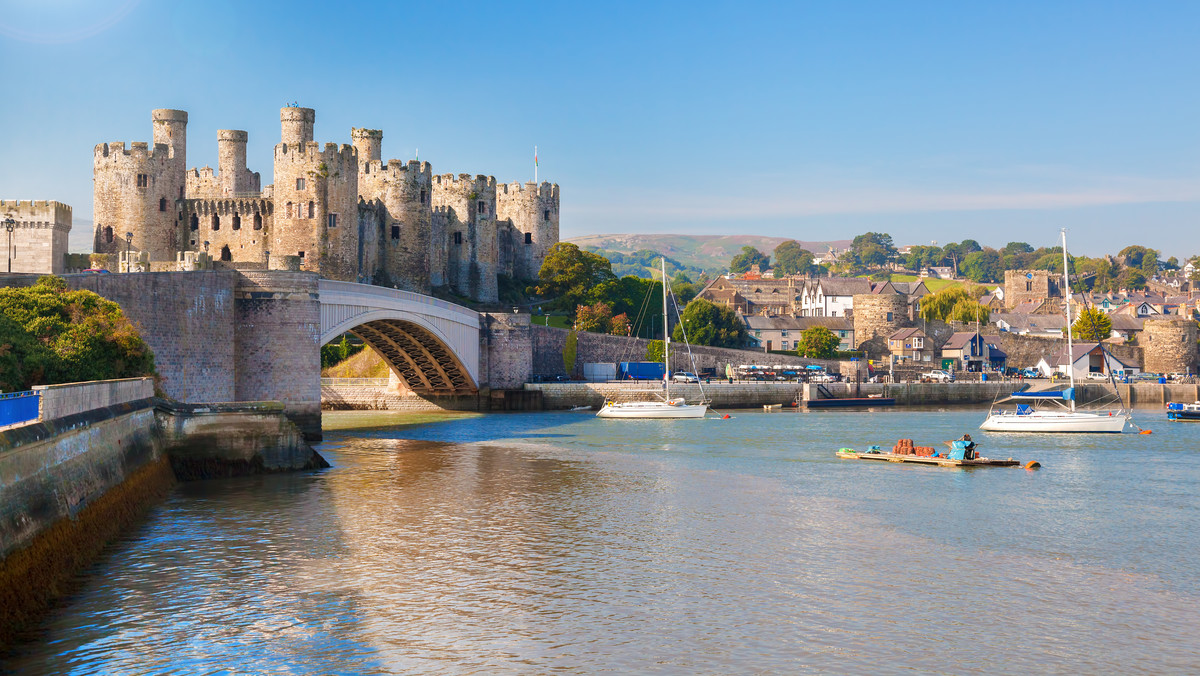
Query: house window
[[395, 232], [108, 236], [299, 184], [331, 220], [889, 316], [216, 222], [1029, 286], [162, 204], [841, 334], [783, 334], [458, 238], [258, 221], [783, 345], [312, 210], [758, 334], [483, 207], [546, 215], [918, 343], [422, 197], [529, 238], [143, 181], [195, 222], [300, 254], [237, 222], [287, 210]]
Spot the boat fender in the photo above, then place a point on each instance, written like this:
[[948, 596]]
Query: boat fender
[[1033, 464], [725, 417], [1145, 432]]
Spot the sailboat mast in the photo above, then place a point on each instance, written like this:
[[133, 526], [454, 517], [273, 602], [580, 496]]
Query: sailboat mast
[[666, 334], [1067, 304]]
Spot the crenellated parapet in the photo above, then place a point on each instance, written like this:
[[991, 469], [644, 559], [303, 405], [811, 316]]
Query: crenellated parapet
[[531, 210]]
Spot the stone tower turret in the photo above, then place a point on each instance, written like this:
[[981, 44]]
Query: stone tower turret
[[876, 316], [369, 143], [1169, 345], [532, 210], [316, 200], [405, 190], [468, 207], [231, 162], [136, 190], [297, 125]]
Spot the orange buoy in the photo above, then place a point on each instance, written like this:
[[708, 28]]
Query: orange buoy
[[1145, 432], [1033, 464], [725, 417]]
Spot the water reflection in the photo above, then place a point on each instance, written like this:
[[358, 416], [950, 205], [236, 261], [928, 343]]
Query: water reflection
[[530, 543]]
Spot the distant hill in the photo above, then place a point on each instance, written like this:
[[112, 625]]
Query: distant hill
[[709, 252]]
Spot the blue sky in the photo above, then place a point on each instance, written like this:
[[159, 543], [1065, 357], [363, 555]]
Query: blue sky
[[927, 120]]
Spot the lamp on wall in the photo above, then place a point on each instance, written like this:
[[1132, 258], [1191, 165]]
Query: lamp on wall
[[128, 245], [10, 225]]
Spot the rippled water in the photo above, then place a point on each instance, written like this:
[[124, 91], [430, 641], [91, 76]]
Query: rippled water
[[531, 543]]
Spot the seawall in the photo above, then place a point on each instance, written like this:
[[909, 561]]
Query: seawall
[[70, 485]]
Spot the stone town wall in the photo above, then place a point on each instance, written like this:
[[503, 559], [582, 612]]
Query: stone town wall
[[507, 350], [549, 342], [39, 238], [1170, 345], [1026, 351], [234, 229], [58, 401]]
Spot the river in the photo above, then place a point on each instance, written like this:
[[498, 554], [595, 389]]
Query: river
[[558, 542]]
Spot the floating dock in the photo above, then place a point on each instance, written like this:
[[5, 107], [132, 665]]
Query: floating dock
[[926, 460]]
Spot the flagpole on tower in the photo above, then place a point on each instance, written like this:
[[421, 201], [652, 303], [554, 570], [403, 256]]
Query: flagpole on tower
[[535, 164]]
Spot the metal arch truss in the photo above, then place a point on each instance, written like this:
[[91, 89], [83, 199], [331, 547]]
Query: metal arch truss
[[422, 361]]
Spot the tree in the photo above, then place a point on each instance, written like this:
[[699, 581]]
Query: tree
[[655, 350], [1150, 264], [818, 342], [982, 266], [640, 299], [620, 326], [792, 259], [1133, 255], [955, 303], [706, 323], [569, 274], [50, 334], [1132, 279], [1092, 325], [873, 249], [1014, 248], [595, 318], [748, 257]]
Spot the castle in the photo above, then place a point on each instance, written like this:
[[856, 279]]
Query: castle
[[338, 210]]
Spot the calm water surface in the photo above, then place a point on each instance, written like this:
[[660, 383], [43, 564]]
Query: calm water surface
[[558, 542]]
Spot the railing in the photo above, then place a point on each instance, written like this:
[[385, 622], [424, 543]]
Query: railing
[[19, 407], [331, 286], [354, 382]]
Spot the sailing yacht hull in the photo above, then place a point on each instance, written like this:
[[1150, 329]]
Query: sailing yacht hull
[[1055, 421], [652, 409]]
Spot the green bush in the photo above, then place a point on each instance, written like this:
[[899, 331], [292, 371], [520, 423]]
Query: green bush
[[50, 334]]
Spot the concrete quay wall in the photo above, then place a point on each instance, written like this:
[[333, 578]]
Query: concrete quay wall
[[59, 401]]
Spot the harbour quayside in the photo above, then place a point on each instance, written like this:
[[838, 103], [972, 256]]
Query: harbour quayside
[[666, 407], [1054, 410]]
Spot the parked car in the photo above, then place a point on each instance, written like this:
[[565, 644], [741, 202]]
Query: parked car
[[97, 271], [939, 376], [1031, 373], [1144, 378], [684, 377], [1095, 375]]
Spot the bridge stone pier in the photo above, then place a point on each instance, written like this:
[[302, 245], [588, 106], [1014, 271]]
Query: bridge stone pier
[[255, 335]]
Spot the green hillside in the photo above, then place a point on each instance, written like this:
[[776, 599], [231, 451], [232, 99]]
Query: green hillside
[[707, 252]]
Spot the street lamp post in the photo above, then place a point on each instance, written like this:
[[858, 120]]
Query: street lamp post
[[128, 245], [10, 225]]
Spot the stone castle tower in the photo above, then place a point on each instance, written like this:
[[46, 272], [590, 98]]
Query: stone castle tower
[[1030, 285], [341, 210], [876, 316]]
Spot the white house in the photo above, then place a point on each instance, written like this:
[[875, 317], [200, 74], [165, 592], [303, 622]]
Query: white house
[[832, 296], [1086, 358]]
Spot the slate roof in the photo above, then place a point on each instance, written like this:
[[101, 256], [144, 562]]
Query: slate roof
[[789, 323], [845, 286]]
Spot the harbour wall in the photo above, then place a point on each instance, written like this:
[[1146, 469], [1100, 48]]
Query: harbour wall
[[71, 484]]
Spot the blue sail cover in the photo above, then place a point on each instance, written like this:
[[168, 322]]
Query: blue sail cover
[[1066, 395]]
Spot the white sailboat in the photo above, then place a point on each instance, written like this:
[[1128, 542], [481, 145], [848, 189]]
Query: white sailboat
[[1054, 411], [666, 407]]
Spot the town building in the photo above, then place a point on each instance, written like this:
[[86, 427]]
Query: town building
[[783, 332], [972, 351], [339, 210], [1083, 359], [35, 235], [910, 343]]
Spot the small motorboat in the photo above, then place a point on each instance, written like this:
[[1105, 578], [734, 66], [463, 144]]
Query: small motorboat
[[1183, 412]]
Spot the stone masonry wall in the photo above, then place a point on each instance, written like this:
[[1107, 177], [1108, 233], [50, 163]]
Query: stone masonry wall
[[1025, 351], [549, 342], [1170, 345], [507, 350]]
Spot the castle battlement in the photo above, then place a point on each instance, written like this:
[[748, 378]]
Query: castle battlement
[[463, 181], [545, 190], [37, 213], [138, 150], [230, 205]]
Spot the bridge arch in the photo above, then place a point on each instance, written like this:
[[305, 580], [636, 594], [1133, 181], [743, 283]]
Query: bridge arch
[[430, 344]]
